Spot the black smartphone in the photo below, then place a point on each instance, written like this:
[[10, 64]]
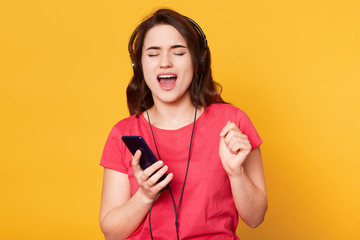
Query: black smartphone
[[134, 143]]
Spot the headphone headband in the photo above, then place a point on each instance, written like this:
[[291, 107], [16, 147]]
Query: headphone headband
[[199, 30]]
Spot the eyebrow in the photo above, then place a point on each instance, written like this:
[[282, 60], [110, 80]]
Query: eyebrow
[[172, 47]]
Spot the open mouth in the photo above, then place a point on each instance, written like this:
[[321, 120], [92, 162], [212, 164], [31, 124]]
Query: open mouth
[[167, 77], [167, 81]]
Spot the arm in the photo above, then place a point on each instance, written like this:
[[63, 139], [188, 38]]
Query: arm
[[120, 213], [245, 172]]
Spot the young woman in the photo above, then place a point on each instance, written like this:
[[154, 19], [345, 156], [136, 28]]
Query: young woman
[[209, 149]]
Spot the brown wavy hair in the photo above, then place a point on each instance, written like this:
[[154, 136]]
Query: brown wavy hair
[[139, 97]]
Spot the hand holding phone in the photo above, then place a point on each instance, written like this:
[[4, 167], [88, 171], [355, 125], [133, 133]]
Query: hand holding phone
[[134, 143]]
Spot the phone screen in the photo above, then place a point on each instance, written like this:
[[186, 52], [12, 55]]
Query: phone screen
[[134, 143]]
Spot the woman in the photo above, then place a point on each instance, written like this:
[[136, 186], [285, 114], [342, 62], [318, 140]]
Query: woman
[[209, 149]]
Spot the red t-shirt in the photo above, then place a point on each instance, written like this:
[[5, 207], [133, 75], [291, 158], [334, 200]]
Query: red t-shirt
[[207, 209]]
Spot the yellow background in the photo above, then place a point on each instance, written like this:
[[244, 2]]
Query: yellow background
[[293, 66]]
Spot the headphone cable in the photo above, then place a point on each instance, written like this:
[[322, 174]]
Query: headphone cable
[[191, 138], [157, 151], [187, 167], [173, 201], [168, 186]]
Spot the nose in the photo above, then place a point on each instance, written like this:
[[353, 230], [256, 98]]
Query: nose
[[165, 61]]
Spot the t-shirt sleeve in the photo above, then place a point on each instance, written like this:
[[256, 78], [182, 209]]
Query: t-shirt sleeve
[[245, 125], [112, 156]]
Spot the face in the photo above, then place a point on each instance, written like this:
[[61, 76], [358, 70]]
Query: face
[[167, 64]]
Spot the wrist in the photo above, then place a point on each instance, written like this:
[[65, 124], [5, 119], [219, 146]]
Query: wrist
[[236, 173], [144, 197]]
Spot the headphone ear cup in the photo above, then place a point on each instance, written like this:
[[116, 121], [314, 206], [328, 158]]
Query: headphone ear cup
[[202, 61], [133, 66]]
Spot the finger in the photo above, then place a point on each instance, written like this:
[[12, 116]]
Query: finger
[[228, 127], [235, 133], [150, 170], [237, 147], [154, 178], [229, 136], [164, 182], [136, 161], [222, 145], [243, 146], [233, 146], [243, 136], [238, 143]]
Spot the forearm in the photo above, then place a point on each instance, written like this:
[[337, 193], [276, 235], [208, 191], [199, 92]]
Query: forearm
[[122, 221], [250, 201]]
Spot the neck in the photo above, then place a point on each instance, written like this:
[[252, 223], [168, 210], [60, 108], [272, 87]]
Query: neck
[[172, 116]]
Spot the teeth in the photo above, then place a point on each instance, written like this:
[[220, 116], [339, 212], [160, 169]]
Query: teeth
[[167, 76]]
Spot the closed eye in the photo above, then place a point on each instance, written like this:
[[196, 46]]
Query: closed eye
[[179, 54]]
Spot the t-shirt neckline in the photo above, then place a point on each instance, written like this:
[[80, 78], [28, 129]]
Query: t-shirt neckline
[[181, 129]]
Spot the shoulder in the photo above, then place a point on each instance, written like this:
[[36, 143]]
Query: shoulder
[[225, 109], [125, 125], [127, 122], [228, 112]]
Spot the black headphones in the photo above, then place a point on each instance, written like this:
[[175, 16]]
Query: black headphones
[[202, 52]]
